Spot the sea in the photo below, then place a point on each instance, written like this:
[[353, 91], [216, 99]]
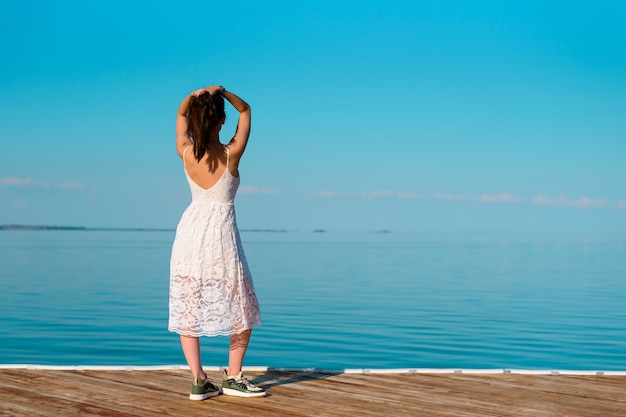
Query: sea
[[329, 300]]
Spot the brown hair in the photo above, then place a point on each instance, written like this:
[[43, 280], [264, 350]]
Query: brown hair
[[205, 112]]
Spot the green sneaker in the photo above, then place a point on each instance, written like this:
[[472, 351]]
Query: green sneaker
[[239, 386], [201, 390]]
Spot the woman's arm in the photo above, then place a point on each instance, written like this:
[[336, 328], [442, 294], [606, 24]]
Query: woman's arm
[[182, 138], [237, 144]]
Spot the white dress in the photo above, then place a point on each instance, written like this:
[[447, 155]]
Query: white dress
[[211, 289]]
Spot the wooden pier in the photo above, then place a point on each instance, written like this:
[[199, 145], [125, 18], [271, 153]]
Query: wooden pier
[[37, 392]]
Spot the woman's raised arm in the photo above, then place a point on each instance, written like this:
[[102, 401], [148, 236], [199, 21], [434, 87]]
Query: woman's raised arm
[[237, 144], [182, 138]]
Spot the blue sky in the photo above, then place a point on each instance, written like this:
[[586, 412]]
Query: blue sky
[[367, 115]]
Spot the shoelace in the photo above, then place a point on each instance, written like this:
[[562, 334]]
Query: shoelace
[[244, 383]]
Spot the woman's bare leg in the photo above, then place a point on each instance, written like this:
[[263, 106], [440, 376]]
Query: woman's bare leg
[[238, 346], [191, 349]]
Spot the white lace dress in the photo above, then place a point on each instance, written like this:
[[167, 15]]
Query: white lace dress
[[211, 289]]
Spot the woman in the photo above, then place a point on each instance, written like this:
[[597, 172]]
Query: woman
[[211, 289]]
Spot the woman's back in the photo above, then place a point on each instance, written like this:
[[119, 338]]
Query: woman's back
[[215, 185], [210, 169]]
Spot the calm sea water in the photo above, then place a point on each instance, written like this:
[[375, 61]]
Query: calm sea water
[[329, 300]]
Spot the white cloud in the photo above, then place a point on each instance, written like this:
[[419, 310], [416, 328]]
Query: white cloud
[[407, 195], [564, 201], [541, 199], [378, 194], [503, 198], [588, 202], [250, 189], [329, 194], [17, 182], [621, 204], [500, 198], [29, 182], [451, 197]]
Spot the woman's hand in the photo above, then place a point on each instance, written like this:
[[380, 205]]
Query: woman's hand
[[212, 90]]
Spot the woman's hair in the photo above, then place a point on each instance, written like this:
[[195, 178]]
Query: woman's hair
[[205, 112]]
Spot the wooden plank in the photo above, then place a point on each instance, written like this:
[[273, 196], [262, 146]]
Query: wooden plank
[[47, 393]]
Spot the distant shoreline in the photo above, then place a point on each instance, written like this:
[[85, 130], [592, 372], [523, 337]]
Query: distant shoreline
[[80, 228], [24, 227], [37, 227]]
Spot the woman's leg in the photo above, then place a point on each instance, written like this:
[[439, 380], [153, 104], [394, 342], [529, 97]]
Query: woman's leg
[[191, 349], [238, 346]]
